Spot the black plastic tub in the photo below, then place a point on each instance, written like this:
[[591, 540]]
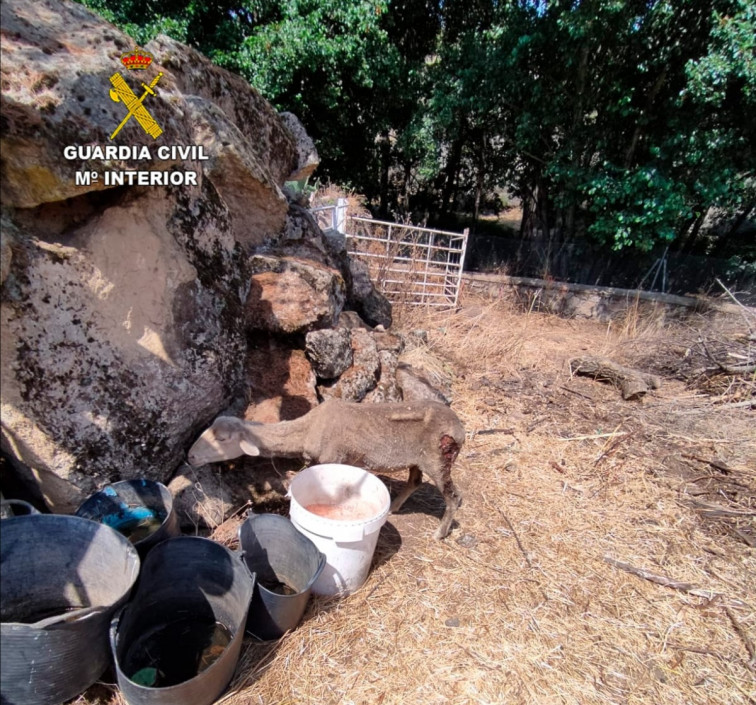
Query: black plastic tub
[[61, 580], [178, 640], [10, 508], [286, 564], [142, 510]]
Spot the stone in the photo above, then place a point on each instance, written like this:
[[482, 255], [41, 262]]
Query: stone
[[303, 239], [290, 295], [264, 132], [415, 385], [351, 319], [6, 252], [329, 351], [200, 497], [365, 299], [386, 390], [117, 343], [256, 205], [280, 382], [388, 341], [307, 153], [362, 376]]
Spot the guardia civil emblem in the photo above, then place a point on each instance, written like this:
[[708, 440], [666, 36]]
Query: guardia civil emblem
[[136, 60]]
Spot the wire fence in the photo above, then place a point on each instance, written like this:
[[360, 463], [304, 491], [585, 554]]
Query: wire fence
[[662, 271]]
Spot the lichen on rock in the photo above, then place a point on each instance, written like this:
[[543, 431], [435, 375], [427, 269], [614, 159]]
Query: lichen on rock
[[132, 315]]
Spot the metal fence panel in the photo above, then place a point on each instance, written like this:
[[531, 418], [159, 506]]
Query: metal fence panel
[[409, 264]]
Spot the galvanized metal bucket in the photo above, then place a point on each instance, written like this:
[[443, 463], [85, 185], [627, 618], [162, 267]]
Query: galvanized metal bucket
[[178, 640], [61, 580], [287, 564]]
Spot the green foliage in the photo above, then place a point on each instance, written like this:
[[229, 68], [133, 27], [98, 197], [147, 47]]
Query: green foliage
[[634, 207], [619, 122]]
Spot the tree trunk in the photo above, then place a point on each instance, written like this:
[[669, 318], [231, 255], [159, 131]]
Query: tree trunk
[[722, 239], [406, 189], [385, 151], [479, 180], [632, 383], [739, 220], [642, 120], [452, 169], [526, 223], [577, 118], [694, 230]]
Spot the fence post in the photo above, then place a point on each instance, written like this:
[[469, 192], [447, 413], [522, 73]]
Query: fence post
[[465, 236], [424, 297], [340, 215]]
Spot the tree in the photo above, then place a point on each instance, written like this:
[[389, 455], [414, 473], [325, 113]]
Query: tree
[[619, 124]]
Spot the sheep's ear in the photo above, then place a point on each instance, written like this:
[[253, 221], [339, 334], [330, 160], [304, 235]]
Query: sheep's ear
[[249, 448]]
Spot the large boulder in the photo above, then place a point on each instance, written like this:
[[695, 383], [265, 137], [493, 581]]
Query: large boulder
[[118, 343], [362, 376], [306, 150], [123, 308], [364, 298], [290, 295], [57, 60]]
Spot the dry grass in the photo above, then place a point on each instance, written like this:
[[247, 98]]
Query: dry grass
[[519, 604], [328, 194]]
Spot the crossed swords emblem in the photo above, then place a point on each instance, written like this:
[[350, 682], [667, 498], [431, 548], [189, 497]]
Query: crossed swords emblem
[[120, 92]]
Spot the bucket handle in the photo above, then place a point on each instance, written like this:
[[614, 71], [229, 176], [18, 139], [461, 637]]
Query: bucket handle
[[6, 508], [251, 574]]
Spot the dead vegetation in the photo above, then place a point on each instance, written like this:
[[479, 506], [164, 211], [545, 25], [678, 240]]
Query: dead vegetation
[[605, 548]]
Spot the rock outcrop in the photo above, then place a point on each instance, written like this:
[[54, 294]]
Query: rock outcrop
[[134, 313]]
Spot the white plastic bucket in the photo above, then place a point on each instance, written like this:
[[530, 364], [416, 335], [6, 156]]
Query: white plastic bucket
[[341, 509]]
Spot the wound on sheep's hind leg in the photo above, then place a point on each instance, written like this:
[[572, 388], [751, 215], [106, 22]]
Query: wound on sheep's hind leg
[[449, 451]]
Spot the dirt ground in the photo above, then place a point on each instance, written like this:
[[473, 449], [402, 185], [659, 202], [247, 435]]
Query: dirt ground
[[605, 550]]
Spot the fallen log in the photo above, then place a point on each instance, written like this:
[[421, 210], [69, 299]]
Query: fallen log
[[632, 383]]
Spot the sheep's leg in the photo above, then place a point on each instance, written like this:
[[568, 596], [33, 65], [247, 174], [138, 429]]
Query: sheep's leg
[[413, 482], [449, 451]]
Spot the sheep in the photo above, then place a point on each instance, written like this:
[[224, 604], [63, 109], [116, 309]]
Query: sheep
[[423, 437]]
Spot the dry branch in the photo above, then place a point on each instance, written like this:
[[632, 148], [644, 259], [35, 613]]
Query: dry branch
[[714, 462], [728, 369], [632, 383], [688, 588], [517, 539], [647, 575], [580, 394], [613, 434], [743, 635], [743, 309]]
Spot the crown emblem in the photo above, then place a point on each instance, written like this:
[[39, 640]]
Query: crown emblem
[[138, 59]]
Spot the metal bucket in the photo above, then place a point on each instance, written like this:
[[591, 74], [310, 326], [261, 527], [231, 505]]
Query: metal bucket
[[287, 564], [61, 580], [178, 640], [142, 510]]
